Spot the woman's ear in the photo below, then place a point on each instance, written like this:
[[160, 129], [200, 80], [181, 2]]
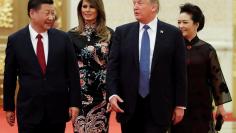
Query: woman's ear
[[196, 26]]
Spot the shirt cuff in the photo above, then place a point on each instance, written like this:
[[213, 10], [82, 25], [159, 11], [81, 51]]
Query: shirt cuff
[[112, 96], [181, 107]]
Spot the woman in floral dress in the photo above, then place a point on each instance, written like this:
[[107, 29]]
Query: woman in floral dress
[[91, 40]]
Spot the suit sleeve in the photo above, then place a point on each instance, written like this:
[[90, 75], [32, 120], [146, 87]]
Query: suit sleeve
[[113, 65], [73, 76], [180, 72], [10, 77]]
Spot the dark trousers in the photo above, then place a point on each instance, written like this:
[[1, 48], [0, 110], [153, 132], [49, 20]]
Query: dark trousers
[[44, 126], [142, 121]]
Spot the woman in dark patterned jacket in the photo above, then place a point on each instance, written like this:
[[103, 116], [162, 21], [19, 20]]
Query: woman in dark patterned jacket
[[91, 39], [205, 78]]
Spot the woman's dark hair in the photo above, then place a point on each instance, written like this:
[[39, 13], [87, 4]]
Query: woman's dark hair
[[196, 12], [101, 28], [35, 4]]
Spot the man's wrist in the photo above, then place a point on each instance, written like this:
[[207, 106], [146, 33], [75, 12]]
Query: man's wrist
[[180, 107], [112, 96]]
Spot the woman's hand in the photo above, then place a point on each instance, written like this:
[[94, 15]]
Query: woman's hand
[[221, 110]]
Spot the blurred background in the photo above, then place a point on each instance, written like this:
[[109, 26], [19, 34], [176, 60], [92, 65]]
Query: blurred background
[[219, 30]]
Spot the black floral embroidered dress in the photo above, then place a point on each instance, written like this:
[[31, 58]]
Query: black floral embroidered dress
[[92, 57], [205, 84]]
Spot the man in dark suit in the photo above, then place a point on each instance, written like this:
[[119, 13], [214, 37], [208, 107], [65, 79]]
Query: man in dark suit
[[43, 61], [146, 76]]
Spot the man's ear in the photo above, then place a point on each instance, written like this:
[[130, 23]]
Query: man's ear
[[31, 13], [155, 8]]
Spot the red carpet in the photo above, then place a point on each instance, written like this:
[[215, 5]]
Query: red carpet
[[114, 126], [5, 128]]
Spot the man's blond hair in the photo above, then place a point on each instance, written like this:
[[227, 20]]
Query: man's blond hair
[[157, 3]]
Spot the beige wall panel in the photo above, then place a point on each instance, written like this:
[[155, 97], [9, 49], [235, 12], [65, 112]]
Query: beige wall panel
[[234, 58], [118, 12], [218, 26]]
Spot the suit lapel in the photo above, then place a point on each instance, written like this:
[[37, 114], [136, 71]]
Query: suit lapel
[[50, 47], [29, 48], [158, 43], [29, 44], [135, 43]]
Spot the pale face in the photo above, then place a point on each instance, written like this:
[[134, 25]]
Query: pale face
[[144, 10], [187, 26], [89, 13], [42, 19]]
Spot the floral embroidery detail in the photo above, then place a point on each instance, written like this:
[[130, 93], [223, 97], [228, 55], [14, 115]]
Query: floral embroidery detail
[[88, 30], [94, 122], [92, 58]]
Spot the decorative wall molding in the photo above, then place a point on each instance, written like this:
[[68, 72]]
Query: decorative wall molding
[[58, 5], [2, 58], [13, 15], [62, 12], [6, 14]]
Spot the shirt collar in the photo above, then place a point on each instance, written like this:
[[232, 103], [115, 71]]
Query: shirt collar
[[34, 33], [152, 24], [193, 41]]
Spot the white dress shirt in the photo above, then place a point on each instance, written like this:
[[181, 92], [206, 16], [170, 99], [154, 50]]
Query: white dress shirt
[[34, 40]]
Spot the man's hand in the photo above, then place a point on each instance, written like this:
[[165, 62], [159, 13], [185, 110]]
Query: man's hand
[[177, 115], [10, 117], [73, 112], [113, 104]]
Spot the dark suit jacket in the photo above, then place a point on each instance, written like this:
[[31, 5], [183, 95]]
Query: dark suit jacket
[[50, 95], [168, 71]]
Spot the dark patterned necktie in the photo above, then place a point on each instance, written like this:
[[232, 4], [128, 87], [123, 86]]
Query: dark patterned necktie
[[40, 54], [144, 63]]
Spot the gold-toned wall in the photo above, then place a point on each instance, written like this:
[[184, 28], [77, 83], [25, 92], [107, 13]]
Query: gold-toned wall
[[13, 15], [62, 11]]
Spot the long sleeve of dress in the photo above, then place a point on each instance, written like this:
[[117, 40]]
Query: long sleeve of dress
[[220, 90]]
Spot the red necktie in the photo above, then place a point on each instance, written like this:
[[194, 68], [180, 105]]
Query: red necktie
[[40, 54]]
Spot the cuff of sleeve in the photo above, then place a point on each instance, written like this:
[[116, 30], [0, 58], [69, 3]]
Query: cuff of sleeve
[[181, 107], [112, 96]]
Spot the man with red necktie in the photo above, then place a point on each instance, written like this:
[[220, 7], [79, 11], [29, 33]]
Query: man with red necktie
[[43, 61]]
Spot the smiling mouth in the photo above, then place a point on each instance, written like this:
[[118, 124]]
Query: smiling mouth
[[87, 14], [49, 23]]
